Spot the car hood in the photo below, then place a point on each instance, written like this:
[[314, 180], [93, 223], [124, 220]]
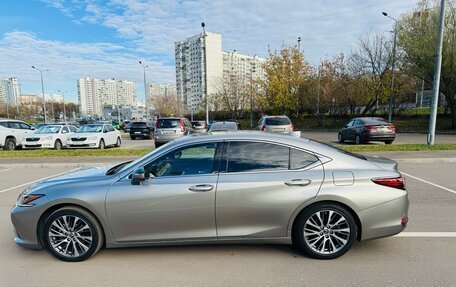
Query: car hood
[[80, 174]]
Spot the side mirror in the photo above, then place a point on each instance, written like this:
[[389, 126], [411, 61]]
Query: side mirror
[[138, 176], [346, 126], [32, 128], [105, 131]]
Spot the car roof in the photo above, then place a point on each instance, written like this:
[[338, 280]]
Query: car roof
[[170, 118]]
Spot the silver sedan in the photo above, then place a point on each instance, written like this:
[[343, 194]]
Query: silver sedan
[[220, 188]]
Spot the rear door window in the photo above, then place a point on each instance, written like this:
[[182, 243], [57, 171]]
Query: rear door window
[[255, 156], [14, 125]]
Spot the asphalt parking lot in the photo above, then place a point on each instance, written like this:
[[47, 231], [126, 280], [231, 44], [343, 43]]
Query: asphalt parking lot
[[423, 255], [331, 137]]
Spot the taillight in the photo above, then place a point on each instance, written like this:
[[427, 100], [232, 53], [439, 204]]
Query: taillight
[[395, 182], [156, 124], [181, 122], [263, 127], [292, 127], [393, 128], [370, 128]]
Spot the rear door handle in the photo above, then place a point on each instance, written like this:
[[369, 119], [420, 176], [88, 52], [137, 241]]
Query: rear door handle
[[298, 182], [201, 188]]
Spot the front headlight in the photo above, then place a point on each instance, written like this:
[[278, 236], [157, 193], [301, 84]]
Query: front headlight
[[25, 200], [92, 138], [48, 138]]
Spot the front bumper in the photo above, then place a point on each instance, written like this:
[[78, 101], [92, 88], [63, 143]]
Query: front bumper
[[38, 144], [25, 221], [83, 144], [385, 219]]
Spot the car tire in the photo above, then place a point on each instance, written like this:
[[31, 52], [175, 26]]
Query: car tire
[[83, 235], [102, 144], [10, 144], [321, 240], [118, 142], [358, 140], [58, 145], [132, 138], [388, 142], [157, 144], [340, 138]]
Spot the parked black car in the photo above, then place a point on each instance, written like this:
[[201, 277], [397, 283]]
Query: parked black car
[[142, 130], [363, 130]]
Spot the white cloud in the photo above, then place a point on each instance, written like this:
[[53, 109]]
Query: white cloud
[[69, 61], [147, 29]]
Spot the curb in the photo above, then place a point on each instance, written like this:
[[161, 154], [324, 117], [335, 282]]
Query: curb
[[96, 164]]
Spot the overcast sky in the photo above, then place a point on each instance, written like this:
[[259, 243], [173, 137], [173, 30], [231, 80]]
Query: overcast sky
[[105, 39]]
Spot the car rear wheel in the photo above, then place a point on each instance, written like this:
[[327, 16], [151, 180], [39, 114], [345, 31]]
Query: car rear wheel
[[358, 140], [340, 138], [58, 145], [325, 231], [10, 144], [72, 234], [102, 144], [157, 144], [132, 137], [388, 142], [118, 142]]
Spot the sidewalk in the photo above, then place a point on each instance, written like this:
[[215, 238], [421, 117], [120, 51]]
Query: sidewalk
[[75, 162]]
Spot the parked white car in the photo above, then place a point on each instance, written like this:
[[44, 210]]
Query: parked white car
[[12, 132], [49, 136], [95, 136]]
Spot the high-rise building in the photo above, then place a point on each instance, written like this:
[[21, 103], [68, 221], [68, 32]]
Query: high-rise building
[[222, 67], [94, 94], [199, 68], [242, 67], [155, 90], [10, 91]]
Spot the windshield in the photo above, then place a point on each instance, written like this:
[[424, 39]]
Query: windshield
[[278, 121], [223, 127], [90, 129], [168, 123], [48, 130], [133, 163]]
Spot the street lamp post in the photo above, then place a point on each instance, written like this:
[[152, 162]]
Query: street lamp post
[[205, 72], [64, 109], [145, 90], [436, 82], [391, 99], [42, 91]]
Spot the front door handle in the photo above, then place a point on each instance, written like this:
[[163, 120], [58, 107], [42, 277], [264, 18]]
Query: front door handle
[[298, 182], [201, 188]]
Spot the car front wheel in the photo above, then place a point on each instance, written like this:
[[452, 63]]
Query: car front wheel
[[118, 142], [325, 231], [358, 140], [10, 144], [340, 138], [102, 144], [72, 234]]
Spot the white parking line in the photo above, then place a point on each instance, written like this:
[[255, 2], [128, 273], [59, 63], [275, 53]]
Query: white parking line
[[427, 234], [6, 169], [430, 183], [34, 181]]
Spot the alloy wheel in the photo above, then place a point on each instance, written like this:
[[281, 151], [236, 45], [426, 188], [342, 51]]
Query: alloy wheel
[[326, 232], [70, 236]]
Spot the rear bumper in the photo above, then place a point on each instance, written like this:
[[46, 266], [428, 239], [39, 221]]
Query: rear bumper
[[164, 138], [140, 133], [385, 219], [374, 137]]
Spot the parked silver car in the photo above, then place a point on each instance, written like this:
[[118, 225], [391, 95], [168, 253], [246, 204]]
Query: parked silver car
[[221, 188], [275, 124], [169, 129]]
